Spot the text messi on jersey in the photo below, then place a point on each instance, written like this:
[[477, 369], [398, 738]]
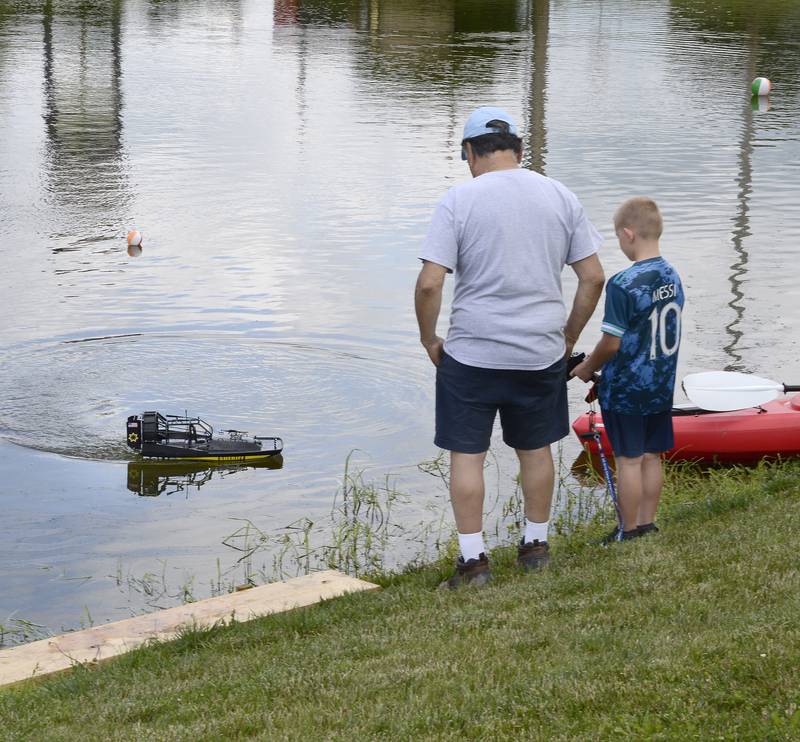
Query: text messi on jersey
[[667, 291]]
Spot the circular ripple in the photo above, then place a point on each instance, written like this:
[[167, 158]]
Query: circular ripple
[[73, 397]]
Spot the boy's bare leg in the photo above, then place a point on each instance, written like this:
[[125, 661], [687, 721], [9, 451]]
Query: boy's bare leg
[[629, 489], [652, 484], [467, 490], [537, 477]]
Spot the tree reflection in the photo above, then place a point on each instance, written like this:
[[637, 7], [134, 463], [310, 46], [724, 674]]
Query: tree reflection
[[83, 104], [741, 222], [536, 144], [427, 42], [448, 52], [401, 33], [736, 16], [162, 12]]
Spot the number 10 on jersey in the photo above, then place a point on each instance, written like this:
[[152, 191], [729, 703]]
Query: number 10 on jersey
[[658, 329]]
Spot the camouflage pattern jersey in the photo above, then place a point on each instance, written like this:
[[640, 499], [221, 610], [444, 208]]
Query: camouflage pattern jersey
[[643, 307]]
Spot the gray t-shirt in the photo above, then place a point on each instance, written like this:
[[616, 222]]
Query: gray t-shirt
[[507, 235]]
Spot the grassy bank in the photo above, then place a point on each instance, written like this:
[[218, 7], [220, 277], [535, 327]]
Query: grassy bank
[[690, 634]]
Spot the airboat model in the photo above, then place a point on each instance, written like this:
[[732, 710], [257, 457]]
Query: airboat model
[[177, 437]]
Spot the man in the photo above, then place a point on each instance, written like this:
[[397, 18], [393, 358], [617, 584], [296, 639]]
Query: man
[[506, 234]]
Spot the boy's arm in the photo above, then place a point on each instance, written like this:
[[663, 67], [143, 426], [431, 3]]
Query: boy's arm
[[590, 286], [603, 352]]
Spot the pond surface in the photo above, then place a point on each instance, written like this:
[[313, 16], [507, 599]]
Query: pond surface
[[282, 161]]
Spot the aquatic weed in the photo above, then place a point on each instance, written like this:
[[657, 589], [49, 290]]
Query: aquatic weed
[[20, 631]]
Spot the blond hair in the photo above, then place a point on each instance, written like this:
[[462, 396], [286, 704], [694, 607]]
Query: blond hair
[[641, 215]]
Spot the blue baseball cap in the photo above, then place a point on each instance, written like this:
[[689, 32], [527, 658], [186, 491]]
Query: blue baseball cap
[[476, 124]]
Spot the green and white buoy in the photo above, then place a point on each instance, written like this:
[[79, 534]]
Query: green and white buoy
[[760, 86]]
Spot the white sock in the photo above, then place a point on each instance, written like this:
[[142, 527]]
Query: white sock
[[535, 531], [471, 545]]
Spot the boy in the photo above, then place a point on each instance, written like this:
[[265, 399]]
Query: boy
[[638, 354]]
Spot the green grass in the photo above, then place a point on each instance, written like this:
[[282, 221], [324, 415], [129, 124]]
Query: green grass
[[690, 634]]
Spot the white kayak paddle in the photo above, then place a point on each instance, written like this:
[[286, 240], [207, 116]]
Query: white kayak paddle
[[722, 391]]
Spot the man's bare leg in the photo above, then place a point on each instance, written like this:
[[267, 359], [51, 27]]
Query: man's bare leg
[[467, 490], [629, 489], [537, 477], [652, 484], [466, 497]]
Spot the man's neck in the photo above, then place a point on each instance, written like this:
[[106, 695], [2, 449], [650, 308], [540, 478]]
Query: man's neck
[[504, 159]]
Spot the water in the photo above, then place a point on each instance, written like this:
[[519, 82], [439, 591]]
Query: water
[[282, 162]]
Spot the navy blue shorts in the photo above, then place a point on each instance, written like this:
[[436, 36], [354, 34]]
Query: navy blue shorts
[[634, 435], [532, 405]]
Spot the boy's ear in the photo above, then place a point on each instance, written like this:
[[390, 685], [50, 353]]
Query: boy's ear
[[629, 233]]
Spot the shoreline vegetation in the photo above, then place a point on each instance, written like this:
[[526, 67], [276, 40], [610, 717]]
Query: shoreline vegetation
[[363, 534], [688, 634]]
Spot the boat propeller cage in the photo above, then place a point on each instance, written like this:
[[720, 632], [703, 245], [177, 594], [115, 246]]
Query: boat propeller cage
[[153, 427]]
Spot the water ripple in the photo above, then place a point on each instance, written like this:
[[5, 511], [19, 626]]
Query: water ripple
[[73, 397]]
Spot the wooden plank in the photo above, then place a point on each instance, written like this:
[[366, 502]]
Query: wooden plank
[[109, 640]]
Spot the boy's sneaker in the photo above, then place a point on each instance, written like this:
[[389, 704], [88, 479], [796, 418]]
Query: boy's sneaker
[[647, 528], [533, 555], [614, 536], [472, 572]]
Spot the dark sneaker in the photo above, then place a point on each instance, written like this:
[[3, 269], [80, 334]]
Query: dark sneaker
[[472, 572], [533, 555], [647, 528], [615, 535]]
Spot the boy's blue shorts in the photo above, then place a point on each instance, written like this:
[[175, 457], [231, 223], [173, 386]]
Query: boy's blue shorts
[[634, 435], [532, 405]]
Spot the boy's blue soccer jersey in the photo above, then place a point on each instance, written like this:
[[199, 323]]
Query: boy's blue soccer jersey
[[643, 308]]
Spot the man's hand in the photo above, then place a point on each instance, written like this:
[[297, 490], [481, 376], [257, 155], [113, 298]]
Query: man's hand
[[427, 302], [435, 349], [573, 361]]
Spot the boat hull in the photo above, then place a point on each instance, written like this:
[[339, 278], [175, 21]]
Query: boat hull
[[771, 431], [187, 453]]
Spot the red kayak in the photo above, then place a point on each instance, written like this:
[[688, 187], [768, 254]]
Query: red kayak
[[770, 431]]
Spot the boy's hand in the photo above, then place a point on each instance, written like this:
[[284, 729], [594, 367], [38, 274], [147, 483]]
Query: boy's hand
[[584, 371]]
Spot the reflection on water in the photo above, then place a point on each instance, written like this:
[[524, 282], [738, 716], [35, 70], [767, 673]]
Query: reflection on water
[[151, 479], [162, 13], [741, 222], [536, 142], [588, 469], [411, 17], [84, 156], [282, 161]]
